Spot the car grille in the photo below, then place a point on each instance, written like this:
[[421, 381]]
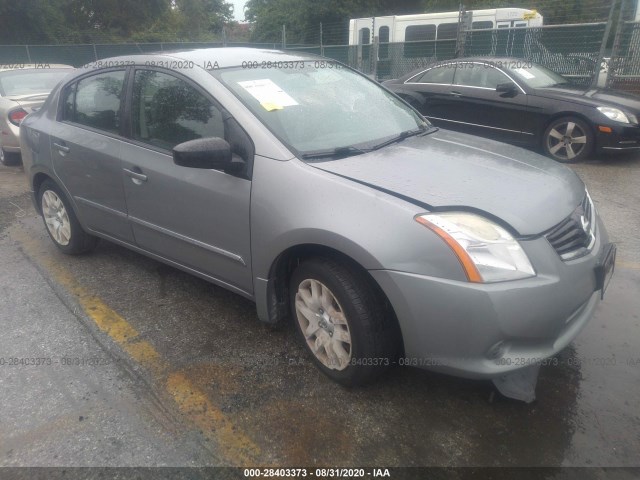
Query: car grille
[[574, 237]]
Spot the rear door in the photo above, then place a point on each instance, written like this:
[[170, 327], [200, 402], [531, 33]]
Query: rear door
[[86, 143], [430, 91]]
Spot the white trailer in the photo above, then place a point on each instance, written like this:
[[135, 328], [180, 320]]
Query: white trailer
[[436, 26]]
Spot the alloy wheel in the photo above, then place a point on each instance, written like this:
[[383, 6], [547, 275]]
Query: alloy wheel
[[56, 217], [566, 141], [324, 324]]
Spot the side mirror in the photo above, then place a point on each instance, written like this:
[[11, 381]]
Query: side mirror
[[207, 153], [508, 87]]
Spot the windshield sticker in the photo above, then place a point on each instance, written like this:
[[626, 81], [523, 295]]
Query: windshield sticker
[[270, 96], [268, 106], [526, 74]]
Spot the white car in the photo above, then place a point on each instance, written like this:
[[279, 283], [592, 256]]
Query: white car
[[23, 89]]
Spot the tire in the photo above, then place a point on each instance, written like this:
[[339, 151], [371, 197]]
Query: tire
[[340, 299], [559, 140], [61, 222], [9, 158]]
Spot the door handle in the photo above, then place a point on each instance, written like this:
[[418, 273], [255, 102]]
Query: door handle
[[137, 177], [62, 149], [456, 94]]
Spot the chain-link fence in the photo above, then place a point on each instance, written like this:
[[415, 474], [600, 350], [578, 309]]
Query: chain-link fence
[[573, 50], [78, 55], [624, 66]]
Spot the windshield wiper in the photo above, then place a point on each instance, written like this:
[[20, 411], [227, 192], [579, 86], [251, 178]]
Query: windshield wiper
[[349, 151], [401, 136], [336, 152]]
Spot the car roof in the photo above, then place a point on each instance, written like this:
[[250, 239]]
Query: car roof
[[224, 56], [32, 66], [484, 59], [497, 61]]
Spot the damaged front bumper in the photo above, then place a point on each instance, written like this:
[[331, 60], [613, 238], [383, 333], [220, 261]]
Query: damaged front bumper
[[502, 331]]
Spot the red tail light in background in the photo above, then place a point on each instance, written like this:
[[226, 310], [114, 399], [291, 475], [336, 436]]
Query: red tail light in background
[[16, 116]]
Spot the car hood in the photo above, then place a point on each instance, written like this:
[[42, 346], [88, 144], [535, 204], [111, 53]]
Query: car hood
[[593, 96], [448, 170]]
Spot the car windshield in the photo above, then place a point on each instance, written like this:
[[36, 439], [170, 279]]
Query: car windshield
[[320, 107], [30, 81], [537, 76]]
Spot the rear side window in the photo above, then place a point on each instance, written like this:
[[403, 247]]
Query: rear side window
[[167, 111], [95, 101], [439, 74], [417, 33], [447, 31]]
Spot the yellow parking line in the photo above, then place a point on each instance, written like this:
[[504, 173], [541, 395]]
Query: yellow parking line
[[235, 447]]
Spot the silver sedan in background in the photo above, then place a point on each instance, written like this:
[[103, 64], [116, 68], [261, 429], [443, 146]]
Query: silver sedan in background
[[308, 188], [23, 89]]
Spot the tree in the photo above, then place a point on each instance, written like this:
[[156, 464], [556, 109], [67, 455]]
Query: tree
[[203, 17], [31, 21]]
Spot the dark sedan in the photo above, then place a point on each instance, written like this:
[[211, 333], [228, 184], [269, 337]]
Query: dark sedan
[[517, 101]]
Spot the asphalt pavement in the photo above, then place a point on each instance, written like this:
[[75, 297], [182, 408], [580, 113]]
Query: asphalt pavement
[[113, 359]]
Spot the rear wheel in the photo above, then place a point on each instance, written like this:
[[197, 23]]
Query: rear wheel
[[9, 158], [342, 322], [568, 140], [61, 222]]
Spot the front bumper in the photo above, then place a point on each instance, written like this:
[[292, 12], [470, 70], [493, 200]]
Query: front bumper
[[622, 138], [486, 330]]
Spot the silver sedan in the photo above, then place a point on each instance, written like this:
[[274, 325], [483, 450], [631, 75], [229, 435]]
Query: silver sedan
[[306, 187]]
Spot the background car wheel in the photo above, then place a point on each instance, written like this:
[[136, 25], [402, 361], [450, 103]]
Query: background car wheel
[[342, 322], [9, 158], [61, 222], [568, 140]]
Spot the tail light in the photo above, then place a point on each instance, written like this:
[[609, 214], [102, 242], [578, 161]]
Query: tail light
[[16, 116]]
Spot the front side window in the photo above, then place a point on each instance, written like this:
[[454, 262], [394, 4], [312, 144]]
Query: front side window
[[96, 101], [479, 75], [167, 111]]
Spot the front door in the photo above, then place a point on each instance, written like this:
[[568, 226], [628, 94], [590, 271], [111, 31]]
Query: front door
[[477, 106], [197, 218]]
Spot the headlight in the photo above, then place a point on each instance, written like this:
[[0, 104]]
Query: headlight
[[486, 251], [614, 114]]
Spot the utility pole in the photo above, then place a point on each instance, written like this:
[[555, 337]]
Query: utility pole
[[603, 46]]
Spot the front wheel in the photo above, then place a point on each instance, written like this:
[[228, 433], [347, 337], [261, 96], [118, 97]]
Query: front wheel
[[342, 322], [61, 222], [568, 140]]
